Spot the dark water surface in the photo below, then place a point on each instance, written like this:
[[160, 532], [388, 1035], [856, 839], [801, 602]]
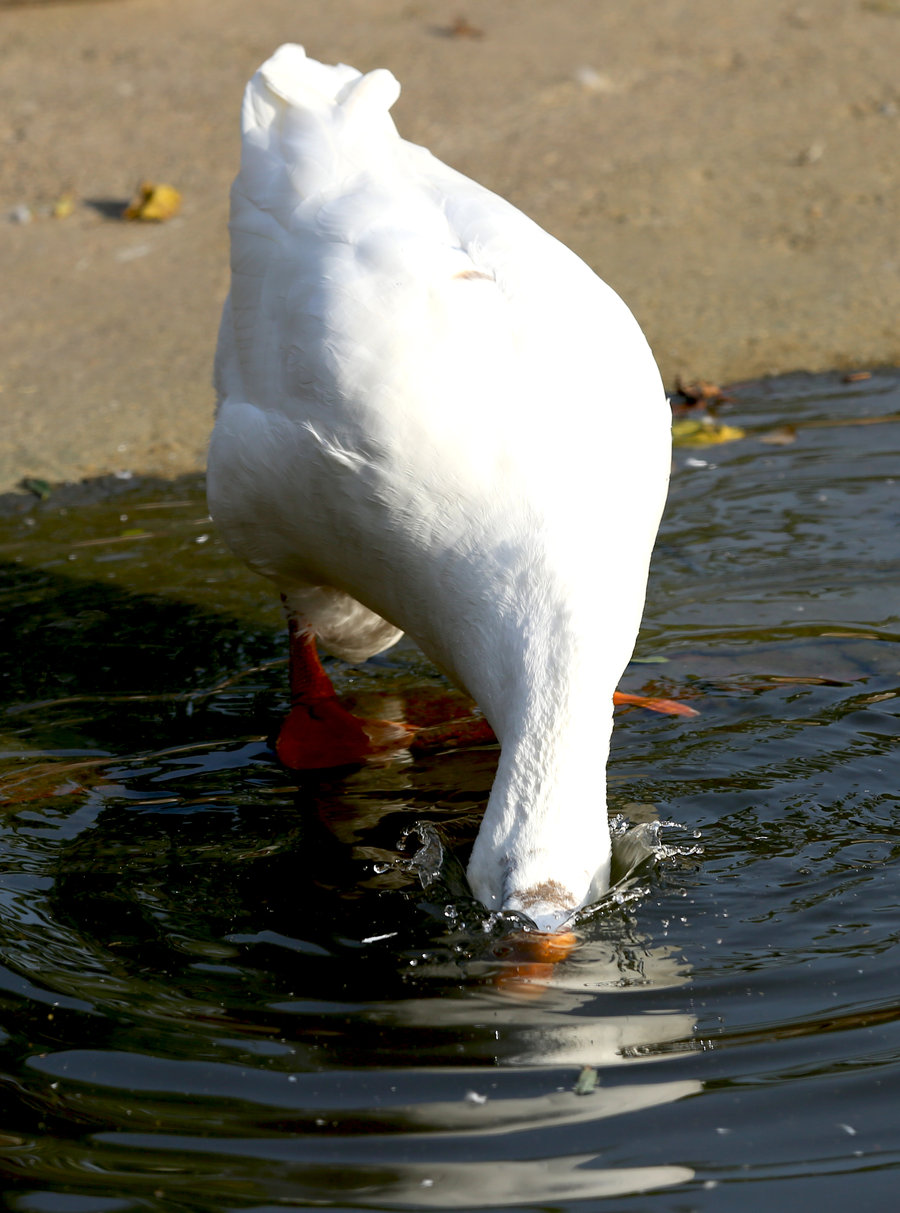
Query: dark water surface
[[220, 991]]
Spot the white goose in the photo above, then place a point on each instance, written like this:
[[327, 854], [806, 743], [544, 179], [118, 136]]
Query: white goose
[[433, 417]]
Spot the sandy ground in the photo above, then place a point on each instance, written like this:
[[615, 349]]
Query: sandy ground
[[730, 168]]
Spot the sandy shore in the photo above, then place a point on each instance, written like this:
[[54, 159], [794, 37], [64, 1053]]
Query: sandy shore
[[731, 169]]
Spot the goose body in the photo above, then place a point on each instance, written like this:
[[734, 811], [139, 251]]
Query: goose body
[[435, 418]]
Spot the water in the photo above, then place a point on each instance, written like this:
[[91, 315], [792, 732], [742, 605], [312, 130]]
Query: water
[[222, 991]]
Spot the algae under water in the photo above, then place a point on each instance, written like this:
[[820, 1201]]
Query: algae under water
[[221, 989]]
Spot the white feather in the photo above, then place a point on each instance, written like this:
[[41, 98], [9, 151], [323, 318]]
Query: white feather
[[434, 414]]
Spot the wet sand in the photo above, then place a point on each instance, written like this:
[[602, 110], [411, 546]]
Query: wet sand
[[731, 170]]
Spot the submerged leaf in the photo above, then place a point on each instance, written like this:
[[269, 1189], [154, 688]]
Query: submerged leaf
[[586, 1082], [782, 435]]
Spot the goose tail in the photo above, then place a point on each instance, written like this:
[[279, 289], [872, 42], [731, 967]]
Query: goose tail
[[308, 127]]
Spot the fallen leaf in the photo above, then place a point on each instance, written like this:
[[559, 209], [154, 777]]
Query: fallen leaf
[[701, 391], [49, 779], [461, 28], [703, 431], [153, 203], [782, 435], [40, 488], [586, 1082], [64, 205]]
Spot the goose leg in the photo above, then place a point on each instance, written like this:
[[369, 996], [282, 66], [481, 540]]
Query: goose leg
[[318, 732]]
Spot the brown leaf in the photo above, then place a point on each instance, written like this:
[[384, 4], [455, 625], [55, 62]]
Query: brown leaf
[[782, 435], [701, 391], [462, 28]]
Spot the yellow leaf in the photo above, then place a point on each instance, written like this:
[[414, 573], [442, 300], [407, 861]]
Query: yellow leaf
[[153, 203], [64, 205], [703, 431]]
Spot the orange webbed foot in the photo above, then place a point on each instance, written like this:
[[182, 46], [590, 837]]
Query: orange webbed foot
[[669, 707], [319, 732]]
